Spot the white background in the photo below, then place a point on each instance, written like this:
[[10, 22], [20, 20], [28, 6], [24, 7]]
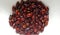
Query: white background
[[53, 27]]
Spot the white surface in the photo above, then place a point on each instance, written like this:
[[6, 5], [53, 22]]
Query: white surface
[[53, 27]]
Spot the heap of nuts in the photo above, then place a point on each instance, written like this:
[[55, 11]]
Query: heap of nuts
[[29, 17]]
